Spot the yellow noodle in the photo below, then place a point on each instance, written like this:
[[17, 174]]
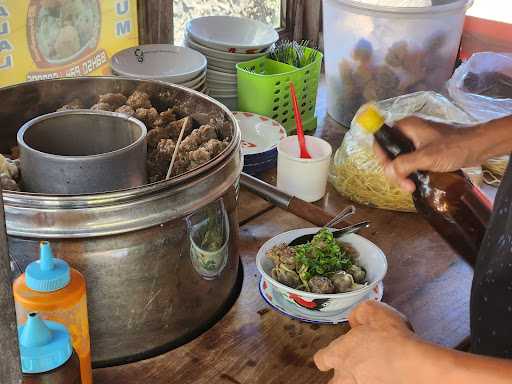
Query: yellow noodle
[[358, 176], [497, 166]]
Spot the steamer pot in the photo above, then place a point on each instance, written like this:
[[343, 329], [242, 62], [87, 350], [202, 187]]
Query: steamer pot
[[146, 293]]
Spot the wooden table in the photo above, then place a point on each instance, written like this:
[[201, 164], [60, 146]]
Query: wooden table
[[255, 345]]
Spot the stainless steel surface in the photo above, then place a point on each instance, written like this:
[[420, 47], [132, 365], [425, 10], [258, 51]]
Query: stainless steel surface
[[10, 371], [82, 152], [144, 292], [336, 232], [346, 212], [265, 190]]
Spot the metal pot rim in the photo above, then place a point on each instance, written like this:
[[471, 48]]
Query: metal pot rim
[[26, 199], [31, 123]]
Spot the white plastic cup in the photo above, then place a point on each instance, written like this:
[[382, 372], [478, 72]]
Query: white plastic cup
[[303, 178]]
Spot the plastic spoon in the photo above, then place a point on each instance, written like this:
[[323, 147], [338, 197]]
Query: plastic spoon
[[304, 154]]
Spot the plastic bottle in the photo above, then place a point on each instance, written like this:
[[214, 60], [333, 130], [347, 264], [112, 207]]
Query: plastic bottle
[[57, 293], [47, 356]]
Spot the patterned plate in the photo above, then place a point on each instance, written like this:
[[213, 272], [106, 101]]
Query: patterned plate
[[289, 310], [259, 133]]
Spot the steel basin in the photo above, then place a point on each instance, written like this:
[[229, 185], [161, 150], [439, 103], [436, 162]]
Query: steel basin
[[146, 293], [78, 152]]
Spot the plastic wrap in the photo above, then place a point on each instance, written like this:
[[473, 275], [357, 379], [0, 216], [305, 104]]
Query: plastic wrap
[[356, 173], [482, 86]]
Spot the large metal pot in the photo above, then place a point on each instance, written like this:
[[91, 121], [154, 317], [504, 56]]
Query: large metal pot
[[145, 294]]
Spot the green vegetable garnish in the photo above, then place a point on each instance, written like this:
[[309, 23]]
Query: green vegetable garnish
[[321, 257]]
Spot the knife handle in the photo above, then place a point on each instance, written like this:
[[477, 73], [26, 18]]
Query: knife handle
[[312, 213]]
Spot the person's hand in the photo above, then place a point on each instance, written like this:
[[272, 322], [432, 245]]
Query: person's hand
[[439, 148], [375, 350]]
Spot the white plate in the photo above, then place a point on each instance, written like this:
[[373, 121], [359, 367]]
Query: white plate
[[200, 86], [221, 76], [232, 34], [223, 93], [228, 56], [289, 310], [228, 71], [195, 82], [259, 133], [225, 65], [228, 83], [176, 64], [222, 87]]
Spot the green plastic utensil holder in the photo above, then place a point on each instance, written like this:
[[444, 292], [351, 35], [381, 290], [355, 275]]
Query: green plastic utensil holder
[[264, 88]]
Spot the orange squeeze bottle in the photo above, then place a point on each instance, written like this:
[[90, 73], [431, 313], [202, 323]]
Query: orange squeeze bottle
[[57, 293]]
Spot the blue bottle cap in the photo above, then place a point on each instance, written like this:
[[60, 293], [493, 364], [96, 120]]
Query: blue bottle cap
[[44, 345], [47, 274]]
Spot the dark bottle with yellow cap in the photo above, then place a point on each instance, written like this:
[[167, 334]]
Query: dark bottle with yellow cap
[[449, 201]]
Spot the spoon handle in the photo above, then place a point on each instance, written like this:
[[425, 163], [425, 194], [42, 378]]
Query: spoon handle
[[304, 154], [351, 229], [348, 211]]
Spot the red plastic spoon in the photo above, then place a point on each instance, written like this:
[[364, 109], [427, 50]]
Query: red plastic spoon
[[304, 154]]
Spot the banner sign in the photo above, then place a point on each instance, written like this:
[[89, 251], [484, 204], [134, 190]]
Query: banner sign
[[47, 39]]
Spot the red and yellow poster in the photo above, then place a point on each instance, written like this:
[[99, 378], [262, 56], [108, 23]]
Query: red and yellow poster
[[46, 39]]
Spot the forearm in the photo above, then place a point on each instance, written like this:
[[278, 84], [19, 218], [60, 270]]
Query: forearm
[[433, 364], [492, 139]]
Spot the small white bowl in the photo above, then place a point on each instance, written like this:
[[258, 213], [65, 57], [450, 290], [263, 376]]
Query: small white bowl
[[259, 133], [228, 56], [160, 62], [232, 34], [371, 258]]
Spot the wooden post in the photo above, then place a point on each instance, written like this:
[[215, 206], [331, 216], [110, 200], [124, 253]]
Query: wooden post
[[155, 21], [313, 21], [10, 371]]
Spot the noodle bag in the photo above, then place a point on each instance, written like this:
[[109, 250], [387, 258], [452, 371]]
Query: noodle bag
[[355, 171], [482, 86]]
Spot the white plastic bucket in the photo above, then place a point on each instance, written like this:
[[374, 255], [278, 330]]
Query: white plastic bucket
[[377, 52]]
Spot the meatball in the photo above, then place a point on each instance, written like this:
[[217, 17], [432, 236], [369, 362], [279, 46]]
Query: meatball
[[166, 117], [170, 131], [7, 183], [285, 275], [321, 284], [102, 107], [358, 273], [116, 100], [343, 281], [138, 100], [147, 115], [126, 109], [73, 104]]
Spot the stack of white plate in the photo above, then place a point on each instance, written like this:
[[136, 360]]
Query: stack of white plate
[[227, 41], [164, 62]]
